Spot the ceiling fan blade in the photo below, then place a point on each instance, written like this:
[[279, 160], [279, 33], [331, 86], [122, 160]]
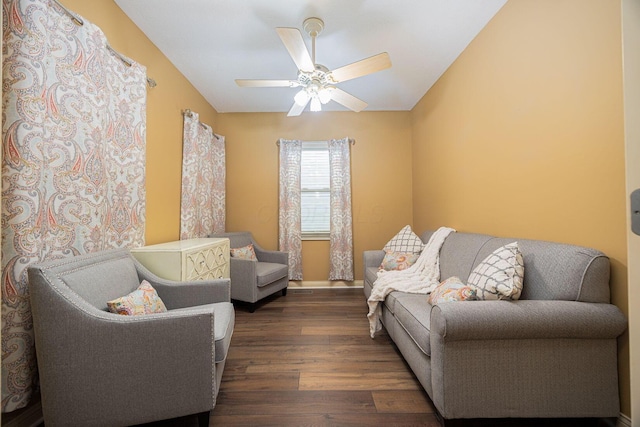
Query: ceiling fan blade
[[361, 68], [266, 83], [292, 39], [297, 109], [348, 100]]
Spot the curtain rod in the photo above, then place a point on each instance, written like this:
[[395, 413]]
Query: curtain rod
[[189, 114], [80, 22], [351, 141]]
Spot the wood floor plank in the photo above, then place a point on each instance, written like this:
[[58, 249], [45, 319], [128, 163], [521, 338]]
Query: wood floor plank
[[318, 365], [387, 420], [336, 329], [402, 401], [293, 402], [358, 381], [348, 352], [244, 340], [274, 381], [245, 420]]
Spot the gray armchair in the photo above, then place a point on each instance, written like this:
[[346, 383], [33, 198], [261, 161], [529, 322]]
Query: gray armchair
[[252, 281], [102, 369]]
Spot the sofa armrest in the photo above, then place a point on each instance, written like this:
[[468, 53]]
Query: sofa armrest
[[373, 258], [186, 294], [526, 319]]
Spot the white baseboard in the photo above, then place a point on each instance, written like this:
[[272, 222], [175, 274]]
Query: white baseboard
[[325, 284], [623, 421]]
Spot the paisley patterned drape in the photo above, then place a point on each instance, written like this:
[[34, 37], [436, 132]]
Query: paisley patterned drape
[[341, 227], [202, 207], [289, 218], [73, 167]]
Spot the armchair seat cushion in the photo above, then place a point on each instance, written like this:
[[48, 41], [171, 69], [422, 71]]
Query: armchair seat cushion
[[269, 272], [224, 321]]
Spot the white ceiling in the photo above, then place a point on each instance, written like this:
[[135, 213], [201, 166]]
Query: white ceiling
[[214, 42]]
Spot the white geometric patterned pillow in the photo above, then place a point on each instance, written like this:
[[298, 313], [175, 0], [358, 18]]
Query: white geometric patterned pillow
[[500, 275], [405, 241]]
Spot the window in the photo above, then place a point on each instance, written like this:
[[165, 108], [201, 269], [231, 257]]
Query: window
[[315, 190]]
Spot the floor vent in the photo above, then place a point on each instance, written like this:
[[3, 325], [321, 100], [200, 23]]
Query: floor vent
[[301, 291]]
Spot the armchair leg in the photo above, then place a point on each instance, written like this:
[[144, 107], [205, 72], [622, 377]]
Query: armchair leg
[[203, 419], [252, 307], [284, 292]]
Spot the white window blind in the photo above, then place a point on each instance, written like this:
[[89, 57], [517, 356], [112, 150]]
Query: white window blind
[[315, 189]]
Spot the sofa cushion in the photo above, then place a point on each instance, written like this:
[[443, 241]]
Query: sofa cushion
[[100, 282], [269, 272], [223, 324], [390, 301], [452, 289], [405, 241], [500, 275], [245, 252], [397, 260], [459, 254], [144, 300], [413, 313]]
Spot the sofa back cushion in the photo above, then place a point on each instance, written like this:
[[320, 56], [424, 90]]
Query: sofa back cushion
[[237, 239], [97, 277], [552, 271]]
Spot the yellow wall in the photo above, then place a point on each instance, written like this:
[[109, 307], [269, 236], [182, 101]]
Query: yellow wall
[[523, 135], [165, 103], [380, 169]]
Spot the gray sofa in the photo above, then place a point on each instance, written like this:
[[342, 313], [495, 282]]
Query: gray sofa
[[551, 354], [103, 369]]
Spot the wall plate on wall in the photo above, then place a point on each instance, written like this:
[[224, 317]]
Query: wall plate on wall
[[635, 211]]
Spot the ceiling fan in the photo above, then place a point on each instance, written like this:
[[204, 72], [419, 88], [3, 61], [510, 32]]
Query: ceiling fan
[[316, 81]]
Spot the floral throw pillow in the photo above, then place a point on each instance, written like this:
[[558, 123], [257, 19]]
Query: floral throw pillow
[[144, 300], [406, 241], [452, 289], [245, 252], [500, 275], [397, 261]]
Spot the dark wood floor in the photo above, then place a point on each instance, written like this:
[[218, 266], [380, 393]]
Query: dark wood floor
[[306, 359]]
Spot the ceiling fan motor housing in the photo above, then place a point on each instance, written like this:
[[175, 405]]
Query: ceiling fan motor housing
[[316, 82]]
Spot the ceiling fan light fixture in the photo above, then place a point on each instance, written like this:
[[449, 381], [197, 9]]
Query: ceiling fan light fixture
[[325, 94], [316, 105], [302, 97]]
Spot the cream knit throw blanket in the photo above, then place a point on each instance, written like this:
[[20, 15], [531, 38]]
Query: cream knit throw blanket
[[421, 278]]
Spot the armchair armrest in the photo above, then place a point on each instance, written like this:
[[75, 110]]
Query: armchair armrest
[[373, 258], [243, 271], [263, 255], [186, 294], [277, 257], [526, 319]]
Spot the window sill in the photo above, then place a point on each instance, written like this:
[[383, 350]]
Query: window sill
[[315, 237]]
